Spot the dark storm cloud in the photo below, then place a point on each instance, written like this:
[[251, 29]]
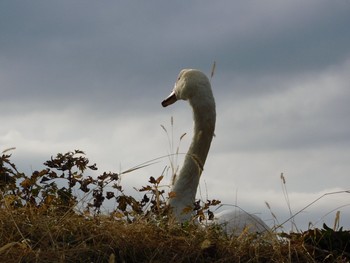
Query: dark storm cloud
[[309, 37], [58, 50], [112, 53]]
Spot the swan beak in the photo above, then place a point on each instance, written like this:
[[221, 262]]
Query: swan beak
[[169, 100]]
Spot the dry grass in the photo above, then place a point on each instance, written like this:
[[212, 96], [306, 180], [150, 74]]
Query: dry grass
[[34, 235], [40, 222]]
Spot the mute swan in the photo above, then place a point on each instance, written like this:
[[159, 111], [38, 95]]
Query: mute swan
[[194, 86]]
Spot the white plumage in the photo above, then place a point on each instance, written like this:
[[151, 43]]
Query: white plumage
[[194, 86]]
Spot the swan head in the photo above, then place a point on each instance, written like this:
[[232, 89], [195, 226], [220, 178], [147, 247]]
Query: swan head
[[192, 85]]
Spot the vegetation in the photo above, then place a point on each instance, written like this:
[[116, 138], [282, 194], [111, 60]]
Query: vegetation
[[43, 220]]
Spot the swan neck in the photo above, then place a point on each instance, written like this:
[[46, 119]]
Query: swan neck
[[186, 183]]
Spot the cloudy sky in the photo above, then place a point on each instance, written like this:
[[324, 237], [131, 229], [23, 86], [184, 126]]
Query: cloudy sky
[[90, 75]]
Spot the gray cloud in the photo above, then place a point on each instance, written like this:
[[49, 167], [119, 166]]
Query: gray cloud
[[91, 75]]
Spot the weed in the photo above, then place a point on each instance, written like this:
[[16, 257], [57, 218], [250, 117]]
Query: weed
[[40, 222]]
